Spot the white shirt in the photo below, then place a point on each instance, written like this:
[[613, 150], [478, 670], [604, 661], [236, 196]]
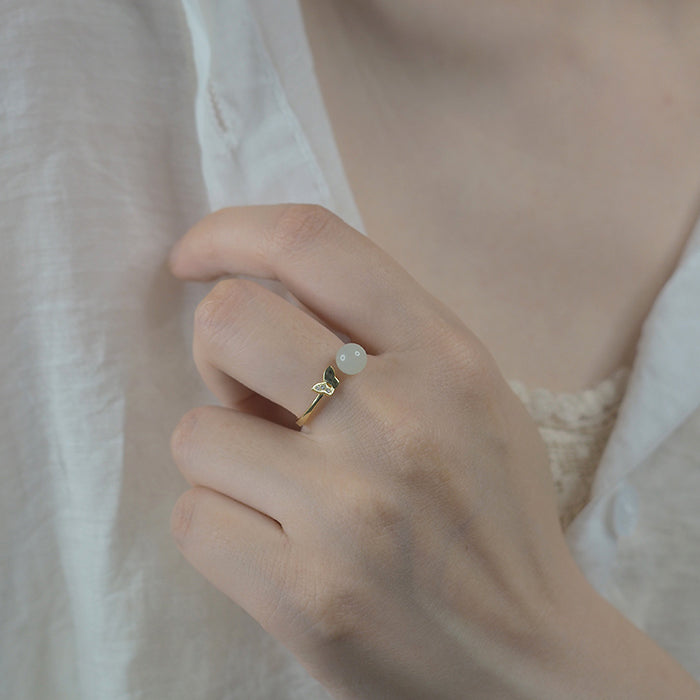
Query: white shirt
[[123, 123]]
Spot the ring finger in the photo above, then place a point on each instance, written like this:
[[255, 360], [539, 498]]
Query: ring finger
[[249, 342]]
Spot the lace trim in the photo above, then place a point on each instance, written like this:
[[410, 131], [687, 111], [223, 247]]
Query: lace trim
[[575, 427], [582, 409]]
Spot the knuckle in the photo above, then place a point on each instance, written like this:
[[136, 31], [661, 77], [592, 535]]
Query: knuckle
[[214, 313], [404, 435], [182, 516], [299, 226], [210, 313], [183, 441], [468, 365], [182, 437]]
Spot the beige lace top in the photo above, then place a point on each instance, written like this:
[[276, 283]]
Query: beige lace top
[[576, 428]]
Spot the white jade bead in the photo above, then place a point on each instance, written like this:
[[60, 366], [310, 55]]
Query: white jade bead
[[351, 358]]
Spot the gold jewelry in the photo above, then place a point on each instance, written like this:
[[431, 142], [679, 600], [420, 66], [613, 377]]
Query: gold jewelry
[[351, 359], [324, 388]]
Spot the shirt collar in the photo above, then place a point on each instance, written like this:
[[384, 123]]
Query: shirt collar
[[664, 384]]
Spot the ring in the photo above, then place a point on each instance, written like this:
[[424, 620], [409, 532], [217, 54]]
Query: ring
[[351, 359]]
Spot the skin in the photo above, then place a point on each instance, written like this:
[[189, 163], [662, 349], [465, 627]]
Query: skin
[[534, 164], [405, 542]]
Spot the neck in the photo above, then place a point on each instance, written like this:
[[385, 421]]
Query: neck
[[490, 36]]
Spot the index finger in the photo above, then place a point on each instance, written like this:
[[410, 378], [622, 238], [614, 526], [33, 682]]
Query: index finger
[[346, 279]]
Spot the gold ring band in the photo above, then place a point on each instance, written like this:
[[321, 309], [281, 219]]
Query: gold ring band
[[351, 359], [324, 388]]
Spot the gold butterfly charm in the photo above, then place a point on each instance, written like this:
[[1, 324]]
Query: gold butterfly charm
[[329, 383]]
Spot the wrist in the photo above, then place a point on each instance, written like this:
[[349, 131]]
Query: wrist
[[589, 650]]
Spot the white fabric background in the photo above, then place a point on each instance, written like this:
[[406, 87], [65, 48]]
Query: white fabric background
[[121, 124], [101, 172]]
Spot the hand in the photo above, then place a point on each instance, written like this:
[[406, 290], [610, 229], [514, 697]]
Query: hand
[[403, 544]]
